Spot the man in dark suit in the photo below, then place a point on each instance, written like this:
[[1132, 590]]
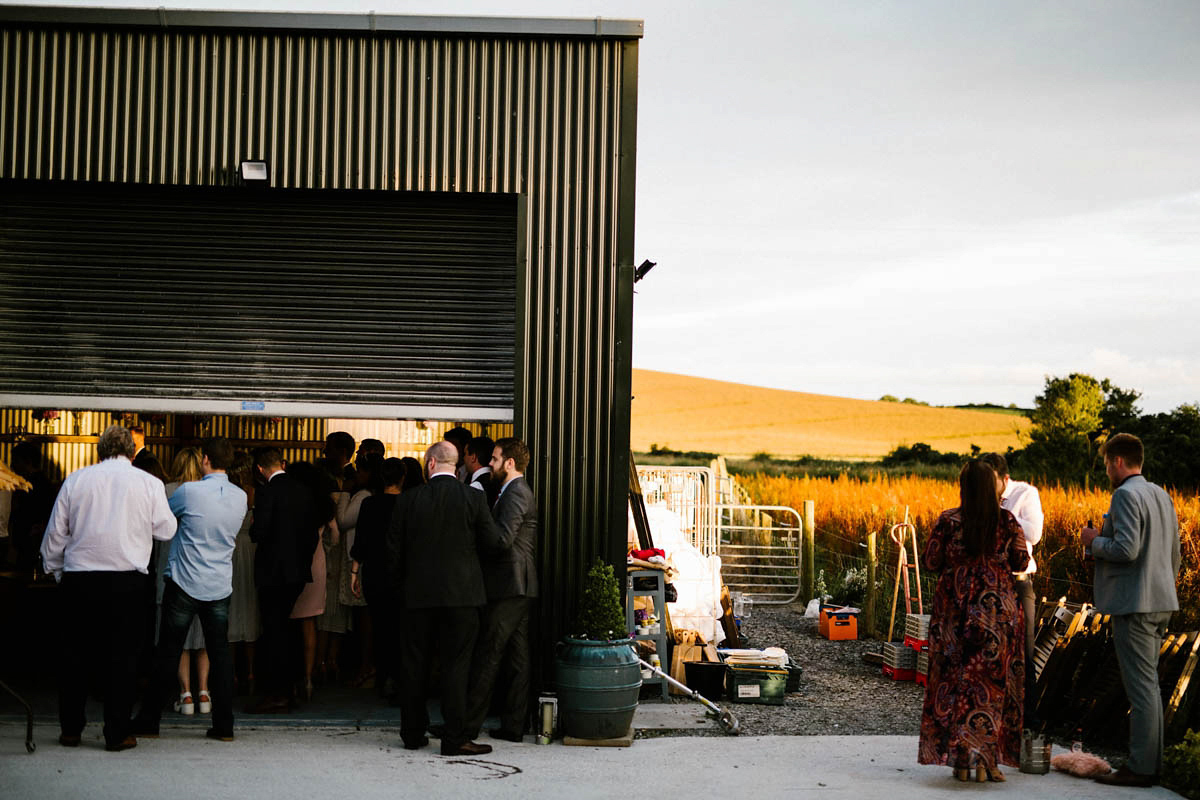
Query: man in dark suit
[[478, 458], [143, 459], [436, 533], [285, 530], [510, 576]]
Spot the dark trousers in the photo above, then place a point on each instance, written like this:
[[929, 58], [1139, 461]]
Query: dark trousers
[[101, 618], [1028, 601], [271, 659], [503, 637], [450, 632], [178, 609], [383, 606]]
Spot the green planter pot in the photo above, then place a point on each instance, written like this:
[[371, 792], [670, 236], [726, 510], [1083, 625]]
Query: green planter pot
[[598, 686]]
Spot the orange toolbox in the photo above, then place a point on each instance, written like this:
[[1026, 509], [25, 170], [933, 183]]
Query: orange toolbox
[[841, 623]]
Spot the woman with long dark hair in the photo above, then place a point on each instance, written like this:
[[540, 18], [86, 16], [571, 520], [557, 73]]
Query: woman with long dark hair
[[974, 701]]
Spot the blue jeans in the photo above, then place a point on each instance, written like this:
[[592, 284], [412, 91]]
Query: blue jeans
[[178, 609]]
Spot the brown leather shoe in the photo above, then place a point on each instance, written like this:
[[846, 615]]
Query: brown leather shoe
[[69, 741], [128, 743], [467, 749], [1124, 776]]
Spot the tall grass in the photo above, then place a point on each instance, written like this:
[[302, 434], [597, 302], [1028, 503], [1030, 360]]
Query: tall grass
[[847, 509]]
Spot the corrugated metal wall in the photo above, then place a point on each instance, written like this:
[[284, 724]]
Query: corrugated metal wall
[[552, 118]]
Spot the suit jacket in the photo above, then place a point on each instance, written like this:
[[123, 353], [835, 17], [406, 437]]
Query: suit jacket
[[512, 572], [148, 462], [1137, 551], [285, 529], [433, 544], [491, 487]]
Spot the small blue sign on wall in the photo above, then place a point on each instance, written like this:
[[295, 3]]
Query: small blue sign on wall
[[253, 405]]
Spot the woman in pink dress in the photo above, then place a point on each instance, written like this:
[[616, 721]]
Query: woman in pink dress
[[974, 700]]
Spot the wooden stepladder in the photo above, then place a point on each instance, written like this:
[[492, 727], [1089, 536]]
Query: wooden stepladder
[[901, 533]]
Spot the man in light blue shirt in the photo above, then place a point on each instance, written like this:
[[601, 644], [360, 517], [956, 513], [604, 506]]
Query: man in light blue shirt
[[199, 582]]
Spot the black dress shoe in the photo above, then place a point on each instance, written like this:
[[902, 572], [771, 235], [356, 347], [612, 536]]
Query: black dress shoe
[[69, 741], [508, 736], [467, 749], [128, 743], [416, 744], [220, 736], [1124, 776]]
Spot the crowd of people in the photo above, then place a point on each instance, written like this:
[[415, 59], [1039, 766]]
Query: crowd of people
[[979, 698], [433, 563]]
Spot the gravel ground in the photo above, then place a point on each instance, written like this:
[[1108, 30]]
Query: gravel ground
[[839, 693]]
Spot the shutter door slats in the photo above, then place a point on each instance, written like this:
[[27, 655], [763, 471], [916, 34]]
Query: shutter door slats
[[297, 296]]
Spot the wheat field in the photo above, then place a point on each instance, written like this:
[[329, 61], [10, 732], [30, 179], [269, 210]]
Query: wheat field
[[736, 420], [848, 509]]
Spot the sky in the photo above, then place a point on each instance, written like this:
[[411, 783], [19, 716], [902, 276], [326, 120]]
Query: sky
[[948, 201]]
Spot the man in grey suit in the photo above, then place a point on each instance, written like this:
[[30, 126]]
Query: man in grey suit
[[433, 543], [1137, 562], [510, 575]]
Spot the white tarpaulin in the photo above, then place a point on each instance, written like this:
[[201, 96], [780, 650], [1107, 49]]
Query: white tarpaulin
[[697, 576]]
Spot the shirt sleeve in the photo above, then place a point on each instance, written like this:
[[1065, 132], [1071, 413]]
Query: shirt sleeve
[[162, 519], [1121, 537], [934, 557], [1030, 516], [54, 544]]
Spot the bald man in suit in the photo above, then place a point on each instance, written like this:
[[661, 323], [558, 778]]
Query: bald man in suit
[[436, 534]]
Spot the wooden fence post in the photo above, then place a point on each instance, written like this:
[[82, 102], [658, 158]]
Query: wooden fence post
[[872, 564], [809, 553]]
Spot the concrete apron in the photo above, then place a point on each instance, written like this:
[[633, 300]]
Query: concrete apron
[[276, 762]]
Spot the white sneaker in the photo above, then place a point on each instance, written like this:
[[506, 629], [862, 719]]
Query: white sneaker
[[205, 703], [184, 704]]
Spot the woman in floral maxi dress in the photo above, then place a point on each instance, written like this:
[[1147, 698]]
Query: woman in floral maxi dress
[[975, 696]]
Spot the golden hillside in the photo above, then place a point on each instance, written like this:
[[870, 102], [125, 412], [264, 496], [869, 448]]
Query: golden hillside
[[733, 419]]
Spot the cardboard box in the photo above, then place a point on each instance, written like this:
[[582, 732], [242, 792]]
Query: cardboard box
[[763, 685]]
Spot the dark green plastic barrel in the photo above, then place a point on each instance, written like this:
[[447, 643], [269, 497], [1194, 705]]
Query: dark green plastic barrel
[[598, 686]]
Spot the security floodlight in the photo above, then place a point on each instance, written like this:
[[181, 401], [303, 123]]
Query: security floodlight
[[255, 172], [642, 269]]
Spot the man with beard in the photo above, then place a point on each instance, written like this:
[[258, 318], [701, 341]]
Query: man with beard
[[510, 576], [1137, 563]]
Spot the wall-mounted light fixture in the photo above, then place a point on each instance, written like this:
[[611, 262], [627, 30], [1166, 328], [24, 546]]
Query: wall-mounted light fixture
[[255, 172], [642, 269]]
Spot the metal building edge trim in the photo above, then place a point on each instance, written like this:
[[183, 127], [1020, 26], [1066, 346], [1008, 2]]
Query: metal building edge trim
[[593, 27], [256, 407]]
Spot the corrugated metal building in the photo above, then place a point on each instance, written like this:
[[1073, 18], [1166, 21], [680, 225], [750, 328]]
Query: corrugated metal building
[[445, 231]]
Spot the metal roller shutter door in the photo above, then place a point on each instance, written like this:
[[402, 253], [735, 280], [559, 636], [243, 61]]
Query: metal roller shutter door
[[281, 302]]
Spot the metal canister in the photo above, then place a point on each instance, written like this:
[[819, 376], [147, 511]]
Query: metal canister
[[547, 718], [1035, 754]]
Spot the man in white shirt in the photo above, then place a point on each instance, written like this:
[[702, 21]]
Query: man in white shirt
[[97, 546], [477, 458], [1022, 500]]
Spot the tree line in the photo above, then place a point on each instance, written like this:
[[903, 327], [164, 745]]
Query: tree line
[[1071, 420]]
